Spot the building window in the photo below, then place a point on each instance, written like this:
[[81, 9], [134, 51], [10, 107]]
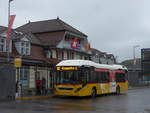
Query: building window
[[66, 39], [68, 55], [24, 73], [2, 45], [54, 55], [65, 55], [80, 56], [72, 55], [62, 55], [48, 54], [25, 48], [59, 54]]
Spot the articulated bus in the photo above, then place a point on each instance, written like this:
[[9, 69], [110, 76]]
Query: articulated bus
[[86, 78]]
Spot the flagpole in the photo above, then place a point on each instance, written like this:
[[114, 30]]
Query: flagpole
[[8, 10], [8, 43]]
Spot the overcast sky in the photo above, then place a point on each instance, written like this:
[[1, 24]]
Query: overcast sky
[[112, 26]]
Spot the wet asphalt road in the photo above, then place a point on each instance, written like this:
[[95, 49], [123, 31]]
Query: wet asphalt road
[[133, 101]]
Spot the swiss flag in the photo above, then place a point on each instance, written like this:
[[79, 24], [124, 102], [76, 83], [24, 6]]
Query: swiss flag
[[74, 44]]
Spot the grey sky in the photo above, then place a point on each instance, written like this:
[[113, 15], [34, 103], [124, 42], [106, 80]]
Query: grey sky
[[112, 26]]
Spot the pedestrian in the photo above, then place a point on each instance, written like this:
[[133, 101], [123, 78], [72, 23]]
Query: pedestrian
[[38, 86], [17, 89], [43, 86], [20, 89]]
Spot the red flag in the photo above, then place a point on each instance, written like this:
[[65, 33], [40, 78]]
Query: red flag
[[11, 20], [74, 44]]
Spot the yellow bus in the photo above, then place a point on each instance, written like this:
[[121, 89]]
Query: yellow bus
[[86, 78]]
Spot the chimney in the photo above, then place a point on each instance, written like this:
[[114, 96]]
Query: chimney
[[57, 17]]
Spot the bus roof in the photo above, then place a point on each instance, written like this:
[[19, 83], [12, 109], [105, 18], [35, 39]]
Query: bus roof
[[88, 63]]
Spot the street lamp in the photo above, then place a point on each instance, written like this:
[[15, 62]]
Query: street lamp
[[134, 47]]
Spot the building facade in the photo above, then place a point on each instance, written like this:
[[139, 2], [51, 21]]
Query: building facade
[[102, 57], [135, 77], [41, 45]]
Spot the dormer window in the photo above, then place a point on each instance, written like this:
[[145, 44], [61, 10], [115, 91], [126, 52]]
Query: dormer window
[[25, 47], [3, 46]]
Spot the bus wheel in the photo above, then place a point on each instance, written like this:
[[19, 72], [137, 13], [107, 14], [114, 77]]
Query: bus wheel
[[93, 92], [118, 90]]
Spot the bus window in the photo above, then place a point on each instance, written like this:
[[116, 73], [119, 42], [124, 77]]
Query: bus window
[[93, 77], [85, 76], [97, 77], [120, 77], [104, 77], [58, 77]]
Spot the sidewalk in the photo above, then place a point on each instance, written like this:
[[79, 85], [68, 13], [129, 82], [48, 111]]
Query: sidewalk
[[137, 87], [35, 97]]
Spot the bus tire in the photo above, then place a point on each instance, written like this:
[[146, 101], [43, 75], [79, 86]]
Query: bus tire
[[118, 90], [93, 92]]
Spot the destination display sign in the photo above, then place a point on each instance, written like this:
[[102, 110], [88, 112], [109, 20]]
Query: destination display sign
[[66, 68]]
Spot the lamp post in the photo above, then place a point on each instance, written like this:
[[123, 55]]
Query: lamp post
[[134, 59], [116, 59]]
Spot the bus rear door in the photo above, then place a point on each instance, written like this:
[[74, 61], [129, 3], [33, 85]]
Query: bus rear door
[[112, 82]]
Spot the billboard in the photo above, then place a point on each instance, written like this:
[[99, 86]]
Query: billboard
[[145, 61], [145, 54]]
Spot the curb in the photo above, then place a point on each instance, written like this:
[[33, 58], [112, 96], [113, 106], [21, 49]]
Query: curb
[[134, 88], [35, 97]]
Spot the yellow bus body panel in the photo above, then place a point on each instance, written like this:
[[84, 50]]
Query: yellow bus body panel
[[123, 86], [101, 88]]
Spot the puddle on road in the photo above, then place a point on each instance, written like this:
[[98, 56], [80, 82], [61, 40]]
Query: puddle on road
[[74, 106]]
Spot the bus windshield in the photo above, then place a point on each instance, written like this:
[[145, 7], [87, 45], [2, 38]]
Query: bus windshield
[[70, 77]]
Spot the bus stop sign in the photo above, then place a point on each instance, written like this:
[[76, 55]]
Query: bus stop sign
[[18, 62]]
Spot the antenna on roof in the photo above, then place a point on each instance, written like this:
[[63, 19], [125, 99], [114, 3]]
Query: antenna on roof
[[57, 17]]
